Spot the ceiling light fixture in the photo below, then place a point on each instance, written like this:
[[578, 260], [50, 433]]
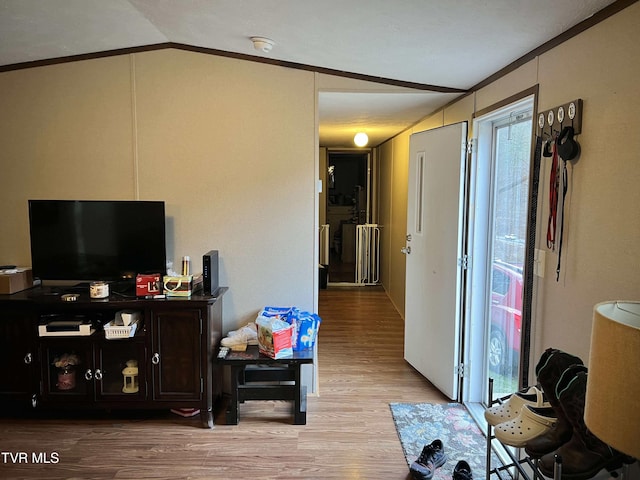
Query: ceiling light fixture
[[262, 44], [361, 139]]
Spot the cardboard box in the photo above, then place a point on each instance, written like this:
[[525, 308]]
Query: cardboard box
[[178, 285], [20, 279], [148, 284]]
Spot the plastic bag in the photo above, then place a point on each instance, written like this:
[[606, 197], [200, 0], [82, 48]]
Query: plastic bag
[[305, 324]]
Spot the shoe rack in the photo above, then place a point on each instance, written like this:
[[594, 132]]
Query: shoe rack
[[525, 466], [519, 465]]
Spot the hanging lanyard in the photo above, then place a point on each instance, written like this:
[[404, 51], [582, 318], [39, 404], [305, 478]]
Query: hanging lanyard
[[554, 188], [558, 183], [564, 196]]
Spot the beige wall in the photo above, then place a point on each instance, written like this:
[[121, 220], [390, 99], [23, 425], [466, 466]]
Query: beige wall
[[208, 135], [385, 197], [601, 258]]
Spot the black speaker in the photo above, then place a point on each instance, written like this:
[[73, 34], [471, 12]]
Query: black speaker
[[210, 272]]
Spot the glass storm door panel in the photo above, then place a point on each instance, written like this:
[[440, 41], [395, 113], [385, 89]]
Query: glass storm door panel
[[497, 232], [512, 147]]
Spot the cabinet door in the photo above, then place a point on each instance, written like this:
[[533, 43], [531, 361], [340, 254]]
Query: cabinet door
[[67, 370], [17, 356], [120, 370], [176, 356]]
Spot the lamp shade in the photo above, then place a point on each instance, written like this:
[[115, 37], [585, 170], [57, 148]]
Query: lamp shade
[[612, 407]]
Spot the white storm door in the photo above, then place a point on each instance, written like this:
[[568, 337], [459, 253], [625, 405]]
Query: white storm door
[[435, 219]]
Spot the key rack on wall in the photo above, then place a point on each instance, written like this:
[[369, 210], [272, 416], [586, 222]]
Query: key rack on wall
[[552, 121]]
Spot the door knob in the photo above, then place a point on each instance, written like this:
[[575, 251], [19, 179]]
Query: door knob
[[406, 250]]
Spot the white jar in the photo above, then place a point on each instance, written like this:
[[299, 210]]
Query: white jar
[[99, 289]]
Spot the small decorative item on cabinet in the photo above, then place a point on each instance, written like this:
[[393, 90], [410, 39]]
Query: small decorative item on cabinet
[[130, 374], [178, 285], [66, 364]]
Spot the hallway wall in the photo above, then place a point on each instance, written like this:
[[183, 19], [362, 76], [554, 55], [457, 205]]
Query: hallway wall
[[601, 260]]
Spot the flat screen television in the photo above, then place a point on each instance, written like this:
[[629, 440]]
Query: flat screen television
[[89, 240]]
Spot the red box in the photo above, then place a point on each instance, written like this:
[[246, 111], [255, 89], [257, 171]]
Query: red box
[[148, 284]]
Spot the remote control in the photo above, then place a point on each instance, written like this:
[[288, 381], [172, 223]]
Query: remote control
[[223, 352]]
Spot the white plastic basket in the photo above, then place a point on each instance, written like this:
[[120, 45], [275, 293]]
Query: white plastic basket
[[112, 332]]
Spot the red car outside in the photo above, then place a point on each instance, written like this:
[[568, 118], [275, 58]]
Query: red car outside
[[506, 316]]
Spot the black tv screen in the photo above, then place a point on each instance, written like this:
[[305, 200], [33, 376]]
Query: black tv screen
[[96, 240]]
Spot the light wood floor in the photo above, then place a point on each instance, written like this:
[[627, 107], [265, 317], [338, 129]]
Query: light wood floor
[[349, 432]]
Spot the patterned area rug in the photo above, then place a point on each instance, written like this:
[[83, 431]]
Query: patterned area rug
[[418, 424]]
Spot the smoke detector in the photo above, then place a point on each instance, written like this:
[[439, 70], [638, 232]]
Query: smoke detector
[[262, 44]]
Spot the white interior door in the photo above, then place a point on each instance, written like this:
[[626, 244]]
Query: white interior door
[[435, 214]]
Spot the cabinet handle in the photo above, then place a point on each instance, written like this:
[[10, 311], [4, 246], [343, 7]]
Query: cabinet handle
[[28, 359], [88, 375], [98, 374], [155, 359]]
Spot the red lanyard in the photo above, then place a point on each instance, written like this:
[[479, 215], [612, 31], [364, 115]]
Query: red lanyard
[[557, 181], [554, 190]]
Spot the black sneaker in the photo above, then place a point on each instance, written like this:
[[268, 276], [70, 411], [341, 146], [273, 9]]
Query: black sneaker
[[432, 457], [462, 471]]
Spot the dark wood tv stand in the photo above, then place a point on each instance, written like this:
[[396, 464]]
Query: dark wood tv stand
[[172, 349]]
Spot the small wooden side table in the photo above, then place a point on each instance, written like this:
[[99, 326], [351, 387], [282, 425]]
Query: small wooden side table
[[253, 377]]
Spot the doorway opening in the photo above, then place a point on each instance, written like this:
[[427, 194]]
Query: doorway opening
[[348, 205], [497, 235]]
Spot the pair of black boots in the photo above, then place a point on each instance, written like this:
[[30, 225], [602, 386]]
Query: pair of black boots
[[433, 457], [563, 378]]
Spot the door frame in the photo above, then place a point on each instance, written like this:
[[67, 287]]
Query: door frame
[[471, 394], [371, 192]]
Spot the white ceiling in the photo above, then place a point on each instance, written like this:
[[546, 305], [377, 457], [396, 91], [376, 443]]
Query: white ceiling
[[449, 44]]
